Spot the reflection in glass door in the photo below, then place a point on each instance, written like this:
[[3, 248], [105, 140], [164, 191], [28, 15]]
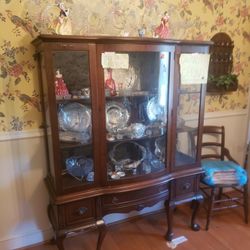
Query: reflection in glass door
[[136, 91], [187, 124], [72, 90]]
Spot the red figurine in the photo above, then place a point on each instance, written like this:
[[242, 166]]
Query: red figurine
[[162, 31], [110, 83], [60, 86]]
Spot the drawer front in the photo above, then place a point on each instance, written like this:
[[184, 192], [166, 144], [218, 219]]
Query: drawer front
[[185, 186], [134, 195], [134, 200], [77, 213]]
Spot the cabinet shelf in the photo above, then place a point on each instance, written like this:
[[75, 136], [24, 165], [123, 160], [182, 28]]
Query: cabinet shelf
[[144, 138], [80, 100], [185, 92], [69, 144], [70, 181], [135, 95]]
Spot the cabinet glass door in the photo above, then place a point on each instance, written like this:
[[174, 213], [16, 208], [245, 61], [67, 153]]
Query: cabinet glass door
[[74, 116], [136, 110], [187, 124]]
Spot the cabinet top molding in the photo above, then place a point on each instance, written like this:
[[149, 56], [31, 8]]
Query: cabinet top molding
[[115, 39]]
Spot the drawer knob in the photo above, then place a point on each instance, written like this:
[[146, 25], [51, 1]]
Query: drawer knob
[[82, 210], [186, 186], [67, 45], [115, 200], [140, 207]]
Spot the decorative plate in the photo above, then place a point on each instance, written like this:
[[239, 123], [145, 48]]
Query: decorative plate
[[74, 117], [79, 167], [155, 112], [137, 130], [117, 116]]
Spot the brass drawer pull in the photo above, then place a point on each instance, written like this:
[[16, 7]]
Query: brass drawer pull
[[140, 207], [186, 186], [67, 46], [82, 210], [115, 200]]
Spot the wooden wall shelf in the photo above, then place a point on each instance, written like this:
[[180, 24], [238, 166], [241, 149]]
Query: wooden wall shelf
[[221, 62]]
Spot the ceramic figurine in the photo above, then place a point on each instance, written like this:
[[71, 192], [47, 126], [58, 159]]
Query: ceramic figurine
[[60, 86], [142, 31], [124, 33], [63, 23], [162, 31], [110, 83]]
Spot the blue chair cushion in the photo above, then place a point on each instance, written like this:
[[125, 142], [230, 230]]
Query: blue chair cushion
[[217, 172]]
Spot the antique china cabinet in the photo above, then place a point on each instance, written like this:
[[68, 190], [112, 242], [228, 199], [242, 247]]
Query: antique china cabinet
[[119, 113]]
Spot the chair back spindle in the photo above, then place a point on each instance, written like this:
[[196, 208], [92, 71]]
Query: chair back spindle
[[215, 142]]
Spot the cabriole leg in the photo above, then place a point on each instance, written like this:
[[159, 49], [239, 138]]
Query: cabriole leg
[[102, 233], [169, 212]]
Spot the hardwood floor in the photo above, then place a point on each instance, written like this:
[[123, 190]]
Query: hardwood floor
[[227, 231]]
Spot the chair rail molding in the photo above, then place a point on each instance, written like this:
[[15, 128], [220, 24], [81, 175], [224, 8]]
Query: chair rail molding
[[15, 135]]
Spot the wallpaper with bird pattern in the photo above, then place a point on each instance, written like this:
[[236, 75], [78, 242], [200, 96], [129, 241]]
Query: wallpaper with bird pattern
[[22, 20]]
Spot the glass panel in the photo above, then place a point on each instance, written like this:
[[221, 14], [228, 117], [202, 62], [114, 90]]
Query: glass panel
[[72, 89], [136, 90], [187, 124]]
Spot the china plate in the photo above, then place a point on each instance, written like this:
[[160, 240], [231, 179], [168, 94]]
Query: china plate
[[74, 117], [79, 167], [137, 130], [155, 112], [117, 116]]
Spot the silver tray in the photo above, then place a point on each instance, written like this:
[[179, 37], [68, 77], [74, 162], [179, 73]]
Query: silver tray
[[155, 112], [127, 155], [74, 117], [117, 116]]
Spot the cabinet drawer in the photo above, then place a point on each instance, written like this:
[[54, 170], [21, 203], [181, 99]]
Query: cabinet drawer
[[134, 200], [78, 212], [186, 185]]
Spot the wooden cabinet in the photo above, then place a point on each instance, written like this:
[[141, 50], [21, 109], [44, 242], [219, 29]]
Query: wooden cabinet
[[118, 121]]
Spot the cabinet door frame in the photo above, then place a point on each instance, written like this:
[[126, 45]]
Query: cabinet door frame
[[49, 49], [101, 48], [194, 167]]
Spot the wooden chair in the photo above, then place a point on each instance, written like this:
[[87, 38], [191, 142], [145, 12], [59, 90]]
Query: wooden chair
[[217, 162]]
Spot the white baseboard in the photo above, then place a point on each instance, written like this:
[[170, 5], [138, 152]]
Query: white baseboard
[[26, 240]]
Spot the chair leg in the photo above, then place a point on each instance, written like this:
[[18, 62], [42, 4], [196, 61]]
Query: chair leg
[[246, 203], [220, 193], [210, 207]]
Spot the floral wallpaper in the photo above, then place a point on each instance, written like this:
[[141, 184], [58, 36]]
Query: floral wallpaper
[[22, 20]]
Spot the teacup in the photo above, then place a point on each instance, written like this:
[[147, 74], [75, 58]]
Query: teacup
[[86, 92]]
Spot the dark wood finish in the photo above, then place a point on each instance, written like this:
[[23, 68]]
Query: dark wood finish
[[216, 199], [221, 54], [136, 200], [76, 206], [196, 205], [169, 212], [221, 61], [102, 232], [76, 213]]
